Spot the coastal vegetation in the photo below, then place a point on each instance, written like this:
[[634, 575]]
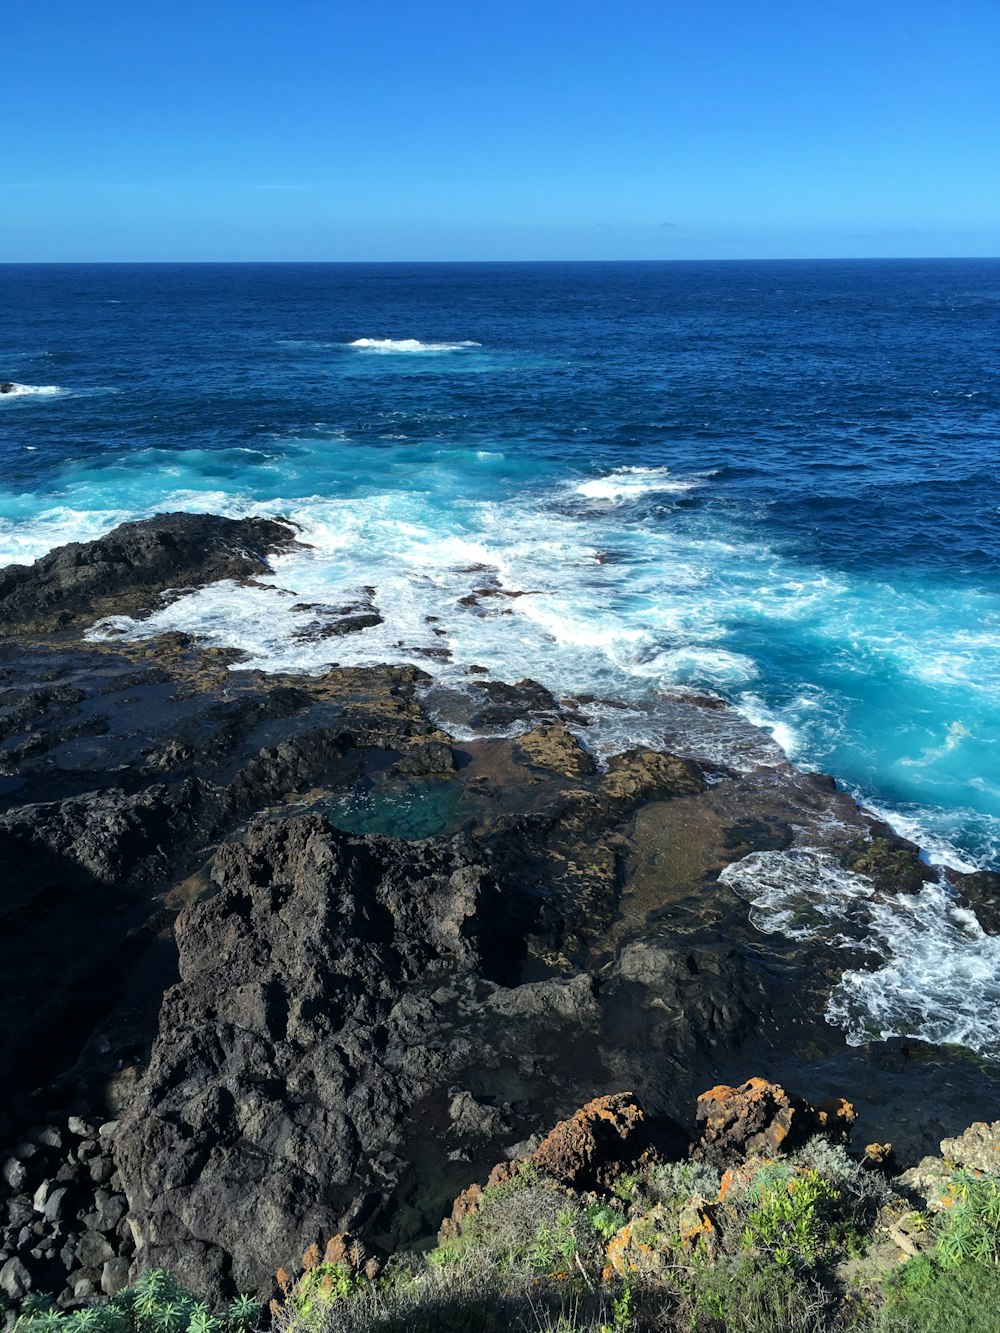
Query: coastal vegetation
[[806, 1245], [765, 1227]]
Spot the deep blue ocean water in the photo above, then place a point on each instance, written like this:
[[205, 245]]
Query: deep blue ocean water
[[778, 481]]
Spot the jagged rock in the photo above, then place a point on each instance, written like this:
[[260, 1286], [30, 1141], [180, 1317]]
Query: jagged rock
[[124, 572], [93, 1251], [976, 1150], [586, 1152], [14, 1174], [596, 1143], [555, 747], [982, 892], [252, 1127], [761, 1117], [114, 1276], [101, 838], [53, 1210], [641, 774]]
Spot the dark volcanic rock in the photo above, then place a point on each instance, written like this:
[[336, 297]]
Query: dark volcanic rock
[[270, 1102], [74, 870], [124, 572], [981, 891]]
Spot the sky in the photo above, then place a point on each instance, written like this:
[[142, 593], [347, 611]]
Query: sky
[[499, 129]]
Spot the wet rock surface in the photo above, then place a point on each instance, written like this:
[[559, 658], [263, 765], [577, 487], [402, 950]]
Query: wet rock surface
[[122, 573], [306, 1025]]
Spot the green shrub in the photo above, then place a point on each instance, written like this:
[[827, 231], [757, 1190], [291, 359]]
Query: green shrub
[[679, 1181], [968, 1227], [757, 1297], [156, 1304], [795, 1216]]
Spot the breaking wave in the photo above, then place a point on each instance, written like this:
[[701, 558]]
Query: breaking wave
[[939, 979], [408, 345], [629, 483], [9, 390]]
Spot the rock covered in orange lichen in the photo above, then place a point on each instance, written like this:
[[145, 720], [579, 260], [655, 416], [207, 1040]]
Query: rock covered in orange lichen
[[586, 1152], [592, 1147], [761, 1117]]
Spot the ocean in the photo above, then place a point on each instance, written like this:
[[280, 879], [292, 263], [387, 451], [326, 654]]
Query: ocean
[[777, 482]]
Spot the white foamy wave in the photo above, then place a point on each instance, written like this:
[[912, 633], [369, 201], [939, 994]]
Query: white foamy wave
[[22, 544], [936, 848], [8, 390], [940, 978], [629, 483], [404, 345], [759, 715]]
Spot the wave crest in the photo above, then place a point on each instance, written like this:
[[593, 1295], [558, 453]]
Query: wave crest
[[11, 390], [629, 483], [408, 345]]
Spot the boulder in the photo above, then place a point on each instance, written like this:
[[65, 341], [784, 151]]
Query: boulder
[[588, 1151], [976, 1150], [759, 1117]]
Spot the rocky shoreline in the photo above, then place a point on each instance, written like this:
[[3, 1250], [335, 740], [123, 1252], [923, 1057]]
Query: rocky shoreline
[[239, 1014]]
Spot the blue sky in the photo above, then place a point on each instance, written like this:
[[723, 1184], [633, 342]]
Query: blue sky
[[345, 129]]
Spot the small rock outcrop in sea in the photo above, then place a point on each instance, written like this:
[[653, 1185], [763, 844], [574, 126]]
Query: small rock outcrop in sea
[[125, 572]]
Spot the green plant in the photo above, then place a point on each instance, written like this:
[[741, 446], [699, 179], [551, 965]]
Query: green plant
[[796, 1216], [923, 1297], [968, 1227], [625, 1187], [200, 1319], [756, 1297], [43, 1321], [605, 1219], [316, 1290], [674, 1181], [557, 1246], [242, 1315]]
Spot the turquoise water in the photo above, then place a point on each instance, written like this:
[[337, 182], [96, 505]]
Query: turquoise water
[[776, 481], [401, 808]]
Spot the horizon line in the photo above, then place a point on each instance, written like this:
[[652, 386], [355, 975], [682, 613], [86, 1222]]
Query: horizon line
[[705, 259]]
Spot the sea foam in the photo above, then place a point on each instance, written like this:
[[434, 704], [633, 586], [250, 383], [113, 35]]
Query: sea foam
[[629, 483], [940, 975], [26, 390], [408, 345]]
